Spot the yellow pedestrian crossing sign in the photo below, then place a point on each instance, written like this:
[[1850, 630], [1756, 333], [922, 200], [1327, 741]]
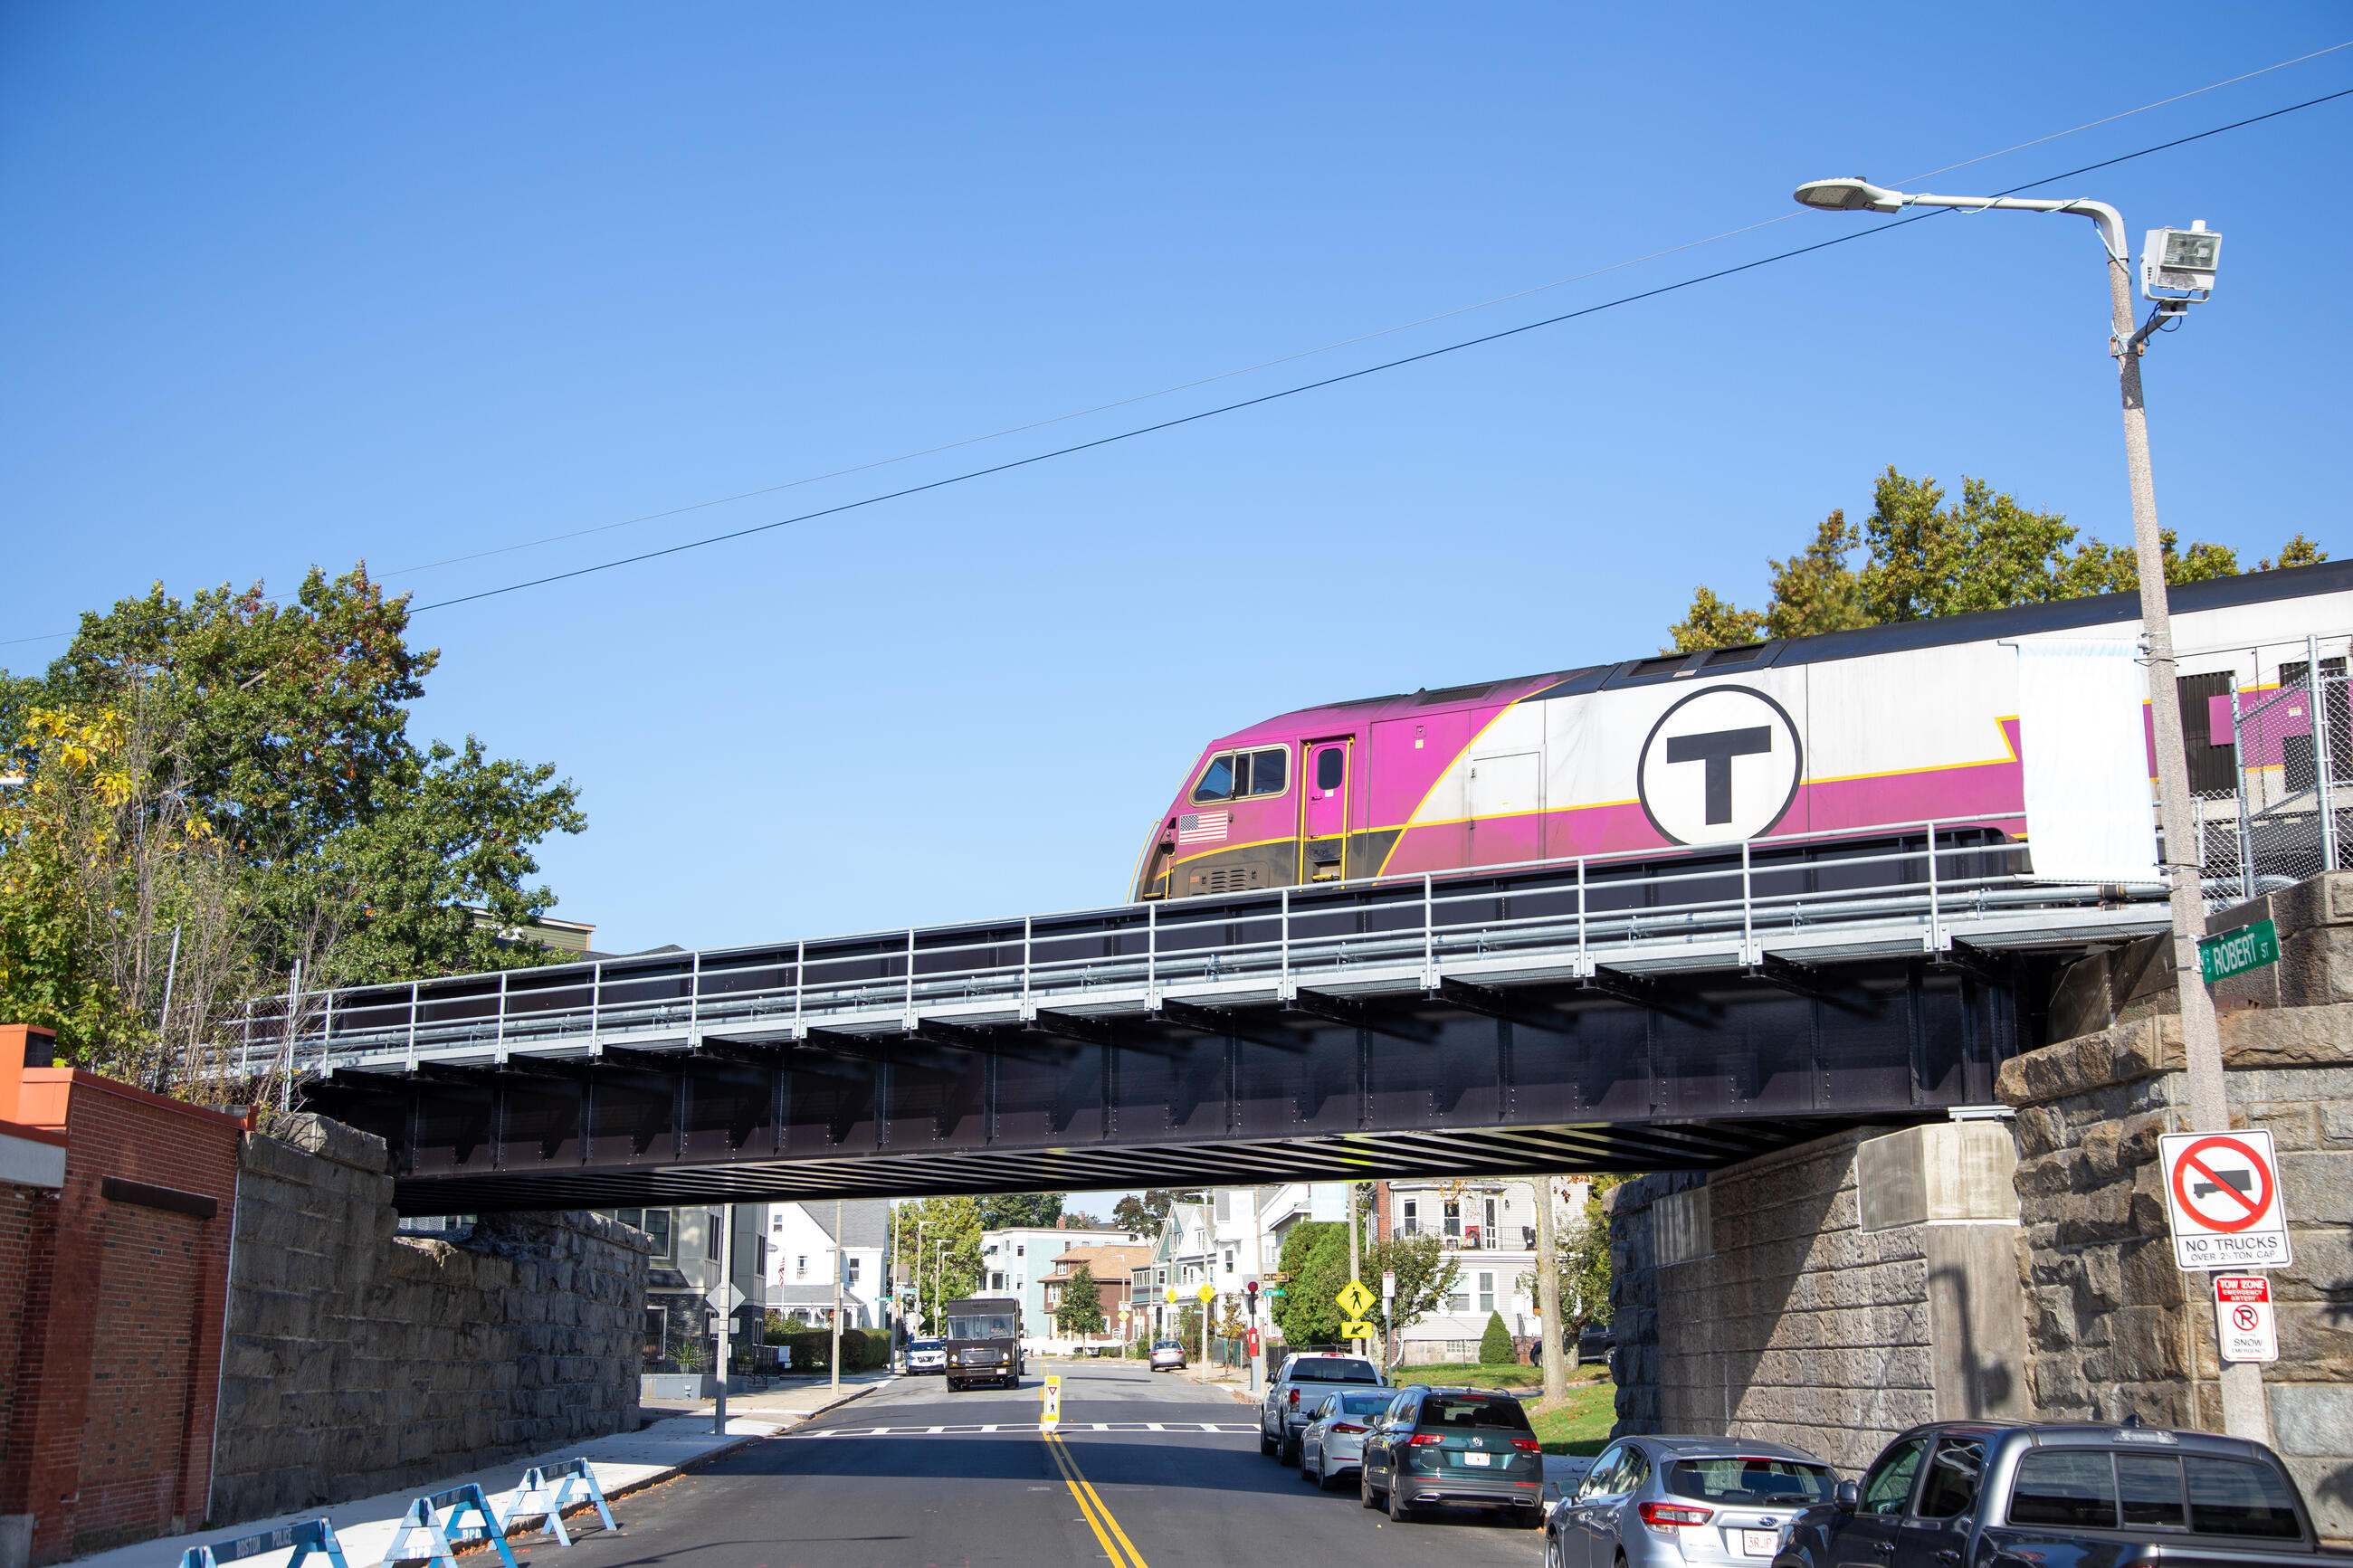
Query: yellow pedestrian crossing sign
[[1359, 1331], [1207, 1293], [1354, 1298]]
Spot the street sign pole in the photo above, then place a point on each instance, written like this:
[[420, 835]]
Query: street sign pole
[[1355, 1264], [726, 1311]]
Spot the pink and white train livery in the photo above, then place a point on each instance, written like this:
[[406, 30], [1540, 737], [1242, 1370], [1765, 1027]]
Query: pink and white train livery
[[1856, 730]]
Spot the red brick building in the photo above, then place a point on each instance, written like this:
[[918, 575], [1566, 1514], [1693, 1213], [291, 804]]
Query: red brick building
[[113, 1287]]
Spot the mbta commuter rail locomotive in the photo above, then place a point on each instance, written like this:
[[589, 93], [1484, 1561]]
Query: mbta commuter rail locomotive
[[1853, 729]]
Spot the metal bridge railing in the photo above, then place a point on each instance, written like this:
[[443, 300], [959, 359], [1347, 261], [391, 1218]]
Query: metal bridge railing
[[1905, 889]]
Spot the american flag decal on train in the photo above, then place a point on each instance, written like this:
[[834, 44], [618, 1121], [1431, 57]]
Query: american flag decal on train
[[1203, 827]]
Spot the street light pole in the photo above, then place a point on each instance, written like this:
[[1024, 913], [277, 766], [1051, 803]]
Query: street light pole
[[2243, 1415], [841, 1263]]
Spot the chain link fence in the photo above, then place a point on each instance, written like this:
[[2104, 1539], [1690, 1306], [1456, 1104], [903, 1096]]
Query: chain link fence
[[2284, 816]]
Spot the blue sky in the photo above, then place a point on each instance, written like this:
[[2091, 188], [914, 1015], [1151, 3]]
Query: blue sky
[[282, 285]]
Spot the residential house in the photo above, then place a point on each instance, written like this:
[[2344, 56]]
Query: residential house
[[803, 1254], [681, 1326], [1015, 1261], [1112, 1265], [1489, 1224]]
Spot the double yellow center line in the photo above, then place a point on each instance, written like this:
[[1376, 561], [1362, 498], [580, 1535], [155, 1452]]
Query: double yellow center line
[[1112, 1539]]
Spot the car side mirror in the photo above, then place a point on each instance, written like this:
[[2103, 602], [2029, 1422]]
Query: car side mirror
[[1849, 1495]]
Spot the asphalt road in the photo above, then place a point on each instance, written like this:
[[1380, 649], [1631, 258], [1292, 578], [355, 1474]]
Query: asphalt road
[[833, 1495]]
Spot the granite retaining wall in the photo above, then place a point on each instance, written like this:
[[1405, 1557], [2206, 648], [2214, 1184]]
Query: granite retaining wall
[[359, 1360]]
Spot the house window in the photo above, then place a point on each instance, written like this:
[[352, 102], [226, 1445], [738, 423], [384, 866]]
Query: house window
[[1460, 1301], [1225, 1207], [1229, 1260], [1491, 1217], [800, 1267], [1454, 1216], [775, 1222], [1412, 1220], [711, 1237], [1021, 1252], [1486, 1292], [853, 1272]]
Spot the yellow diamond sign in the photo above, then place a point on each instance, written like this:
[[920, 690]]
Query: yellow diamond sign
[[1207, 1293], [1359, 1331], [1354, 1298]]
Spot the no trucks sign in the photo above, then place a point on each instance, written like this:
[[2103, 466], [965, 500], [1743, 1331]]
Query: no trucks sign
[[2222, 1194]]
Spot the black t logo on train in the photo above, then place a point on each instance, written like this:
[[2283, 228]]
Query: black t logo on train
[[1719, 766]]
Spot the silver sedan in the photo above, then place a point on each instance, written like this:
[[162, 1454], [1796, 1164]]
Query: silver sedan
[[1672, 1502], [1334, 1442]]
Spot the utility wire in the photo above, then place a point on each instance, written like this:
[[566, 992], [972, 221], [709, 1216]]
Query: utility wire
[[1323, 349], [1280, 360], [1350, 375]]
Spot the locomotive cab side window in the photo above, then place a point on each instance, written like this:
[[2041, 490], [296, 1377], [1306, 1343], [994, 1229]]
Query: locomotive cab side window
[[1236, 774]]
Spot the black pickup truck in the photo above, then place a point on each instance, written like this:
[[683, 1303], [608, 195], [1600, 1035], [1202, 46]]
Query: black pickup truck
[[1975, 1495]]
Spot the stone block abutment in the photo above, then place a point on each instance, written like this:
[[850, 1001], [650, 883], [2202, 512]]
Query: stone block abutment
[[1834, 1293]]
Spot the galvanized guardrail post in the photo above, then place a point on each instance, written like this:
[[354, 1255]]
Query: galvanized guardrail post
[[1936, 914], [2324, 763], [2239, 768]]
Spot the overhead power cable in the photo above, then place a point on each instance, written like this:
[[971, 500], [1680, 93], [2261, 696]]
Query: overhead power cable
[[1324, 348], [1357, 374]]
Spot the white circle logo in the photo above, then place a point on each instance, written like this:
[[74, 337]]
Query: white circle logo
[[1721, 765]]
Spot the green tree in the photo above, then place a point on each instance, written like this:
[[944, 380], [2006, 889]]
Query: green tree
[[1080, 1309], [1922, 555], [1315, 1260], [1584, 1259], [1427, 1274], [943, 1273], [1009, 1211], [284, 729], [1496, 1347], [1144, 1214]]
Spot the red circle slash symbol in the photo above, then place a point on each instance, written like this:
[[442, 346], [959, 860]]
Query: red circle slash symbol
[[2245, 1318], [2193, 1161]]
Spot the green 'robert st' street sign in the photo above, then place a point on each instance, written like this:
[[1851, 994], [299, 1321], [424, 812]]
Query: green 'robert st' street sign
[[2236, 951]]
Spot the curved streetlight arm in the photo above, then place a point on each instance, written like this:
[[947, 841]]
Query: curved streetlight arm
[[1854, 193]]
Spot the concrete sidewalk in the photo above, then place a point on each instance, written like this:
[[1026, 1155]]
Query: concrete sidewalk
[[624, 1463]]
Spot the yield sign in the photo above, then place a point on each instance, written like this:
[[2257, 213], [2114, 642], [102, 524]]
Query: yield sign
[[2221, 1193]]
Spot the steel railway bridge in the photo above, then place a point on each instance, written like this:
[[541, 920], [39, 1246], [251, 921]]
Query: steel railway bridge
[[1602, 1014]]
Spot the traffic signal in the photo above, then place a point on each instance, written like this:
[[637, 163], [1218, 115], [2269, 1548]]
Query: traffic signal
[[1249, 1297]]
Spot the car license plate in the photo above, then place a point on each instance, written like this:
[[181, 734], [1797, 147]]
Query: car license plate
[[1760, 1543], [1479, 1460]]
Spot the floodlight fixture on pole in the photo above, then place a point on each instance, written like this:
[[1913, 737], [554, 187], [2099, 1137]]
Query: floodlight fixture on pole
[[2177, 270]]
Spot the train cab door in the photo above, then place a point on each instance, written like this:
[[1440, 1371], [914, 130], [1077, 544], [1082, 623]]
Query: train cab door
[[1326, 780], [1506, 809]]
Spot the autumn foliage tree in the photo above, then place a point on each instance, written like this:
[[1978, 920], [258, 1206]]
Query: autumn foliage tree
[[262, 749], [1920, 554]]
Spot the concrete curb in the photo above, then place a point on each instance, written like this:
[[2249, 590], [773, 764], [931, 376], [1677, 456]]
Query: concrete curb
[[688, 1467]]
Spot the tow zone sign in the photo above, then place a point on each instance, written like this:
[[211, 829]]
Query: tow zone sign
[[2222, 1194], [2244, 1324]]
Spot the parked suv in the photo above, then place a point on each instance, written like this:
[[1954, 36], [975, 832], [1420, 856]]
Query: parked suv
[[926, 1355], [1297, 1392], [1962, 1494], [1453, 1446]]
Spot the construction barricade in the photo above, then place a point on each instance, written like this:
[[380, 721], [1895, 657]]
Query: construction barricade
[[311, 1535], [548, 1489], [439, 1537]]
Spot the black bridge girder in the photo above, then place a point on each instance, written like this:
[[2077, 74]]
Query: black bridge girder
[[1626, 1072], [1360, 1015], [1800, 980]]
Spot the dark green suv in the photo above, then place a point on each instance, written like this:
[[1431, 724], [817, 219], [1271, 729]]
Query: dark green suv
[[1453, 1446]]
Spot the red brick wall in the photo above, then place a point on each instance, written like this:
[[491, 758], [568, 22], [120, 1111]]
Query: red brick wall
[[28, 1221], [118, 1352]]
